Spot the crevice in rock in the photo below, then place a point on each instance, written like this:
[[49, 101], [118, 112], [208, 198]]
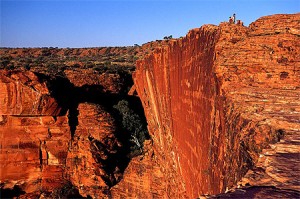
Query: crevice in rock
[[73, 118], [41, 155], [65, 94], [66, 191], [3, 119]]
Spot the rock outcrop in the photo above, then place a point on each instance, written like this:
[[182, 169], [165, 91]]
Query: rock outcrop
[[34, 134], [222, 106], [215, 98], [93, 149], [22, 93], [61, 136]]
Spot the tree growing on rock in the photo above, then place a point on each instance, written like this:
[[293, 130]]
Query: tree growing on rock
[[132, 123]]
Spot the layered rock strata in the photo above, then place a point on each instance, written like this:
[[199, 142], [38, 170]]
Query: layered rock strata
[[34, 134]]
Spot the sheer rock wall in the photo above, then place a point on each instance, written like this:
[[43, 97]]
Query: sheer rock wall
[[215, 98]]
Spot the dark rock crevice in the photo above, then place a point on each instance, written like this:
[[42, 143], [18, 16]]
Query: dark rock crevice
[[16, 191]]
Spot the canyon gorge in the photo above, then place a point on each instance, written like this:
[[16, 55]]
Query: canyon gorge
[[214, 114]]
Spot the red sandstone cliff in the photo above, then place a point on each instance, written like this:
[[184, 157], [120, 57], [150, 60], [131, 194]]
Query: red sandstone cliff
[[215, 98], [216, 103], [34, 134]]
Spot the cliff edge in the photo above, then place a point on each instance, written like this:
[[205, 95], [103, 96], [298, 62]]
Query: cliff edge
[[217, 99]]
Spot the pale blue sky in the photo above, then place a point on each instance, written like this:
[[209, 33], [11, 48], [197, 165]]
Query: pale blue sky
[[70, 23]]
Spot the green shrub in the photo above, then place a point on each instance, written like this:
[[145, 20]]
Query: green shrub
[[168, 37], [132, 123]]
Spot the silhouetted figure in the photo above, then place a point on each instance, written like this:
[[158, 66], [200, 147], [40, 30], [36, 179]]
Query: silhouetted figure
[[233, 18]]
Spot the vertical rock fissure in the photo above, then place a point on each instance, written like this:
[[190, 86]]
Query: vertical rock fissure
[[41, 154], [73, 118]]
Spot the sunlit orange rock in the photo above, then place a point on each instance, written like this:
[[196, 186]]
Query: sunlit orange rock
[[112, 83], [34, 139], [23, 93], [90, 161], [215, 98]]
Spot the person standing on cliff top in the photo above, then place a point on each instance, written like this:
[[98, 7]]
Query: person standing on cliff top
[[233, 18]]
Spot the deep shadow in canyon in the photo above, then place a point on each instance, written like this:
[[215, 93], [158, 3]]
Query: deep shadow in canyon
[[11, 193], [69, 97]]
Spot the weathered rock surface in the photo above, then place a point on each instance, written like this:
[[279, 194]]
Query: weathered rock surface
[[92, 161], [270, 95], [145, 178], [34, 138], [268, 192], [22, 93], [214, 99], [58, 136], [110, 83]]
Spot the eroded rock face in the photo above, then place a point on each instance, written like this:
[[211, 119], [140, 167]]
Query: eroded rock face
[[34, 139], [92, 161], [110, 83], [22, 93], [215, 98], [144, 178], [264, 87]]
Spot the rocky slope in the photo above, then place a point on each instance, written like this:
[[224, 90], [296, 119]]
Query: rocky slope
[[216, 103]]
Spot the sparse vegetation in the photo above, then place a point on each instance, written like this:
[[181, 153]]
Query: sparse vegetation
[[168, 37], [53, 61], [101, 59], [66, 191]]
